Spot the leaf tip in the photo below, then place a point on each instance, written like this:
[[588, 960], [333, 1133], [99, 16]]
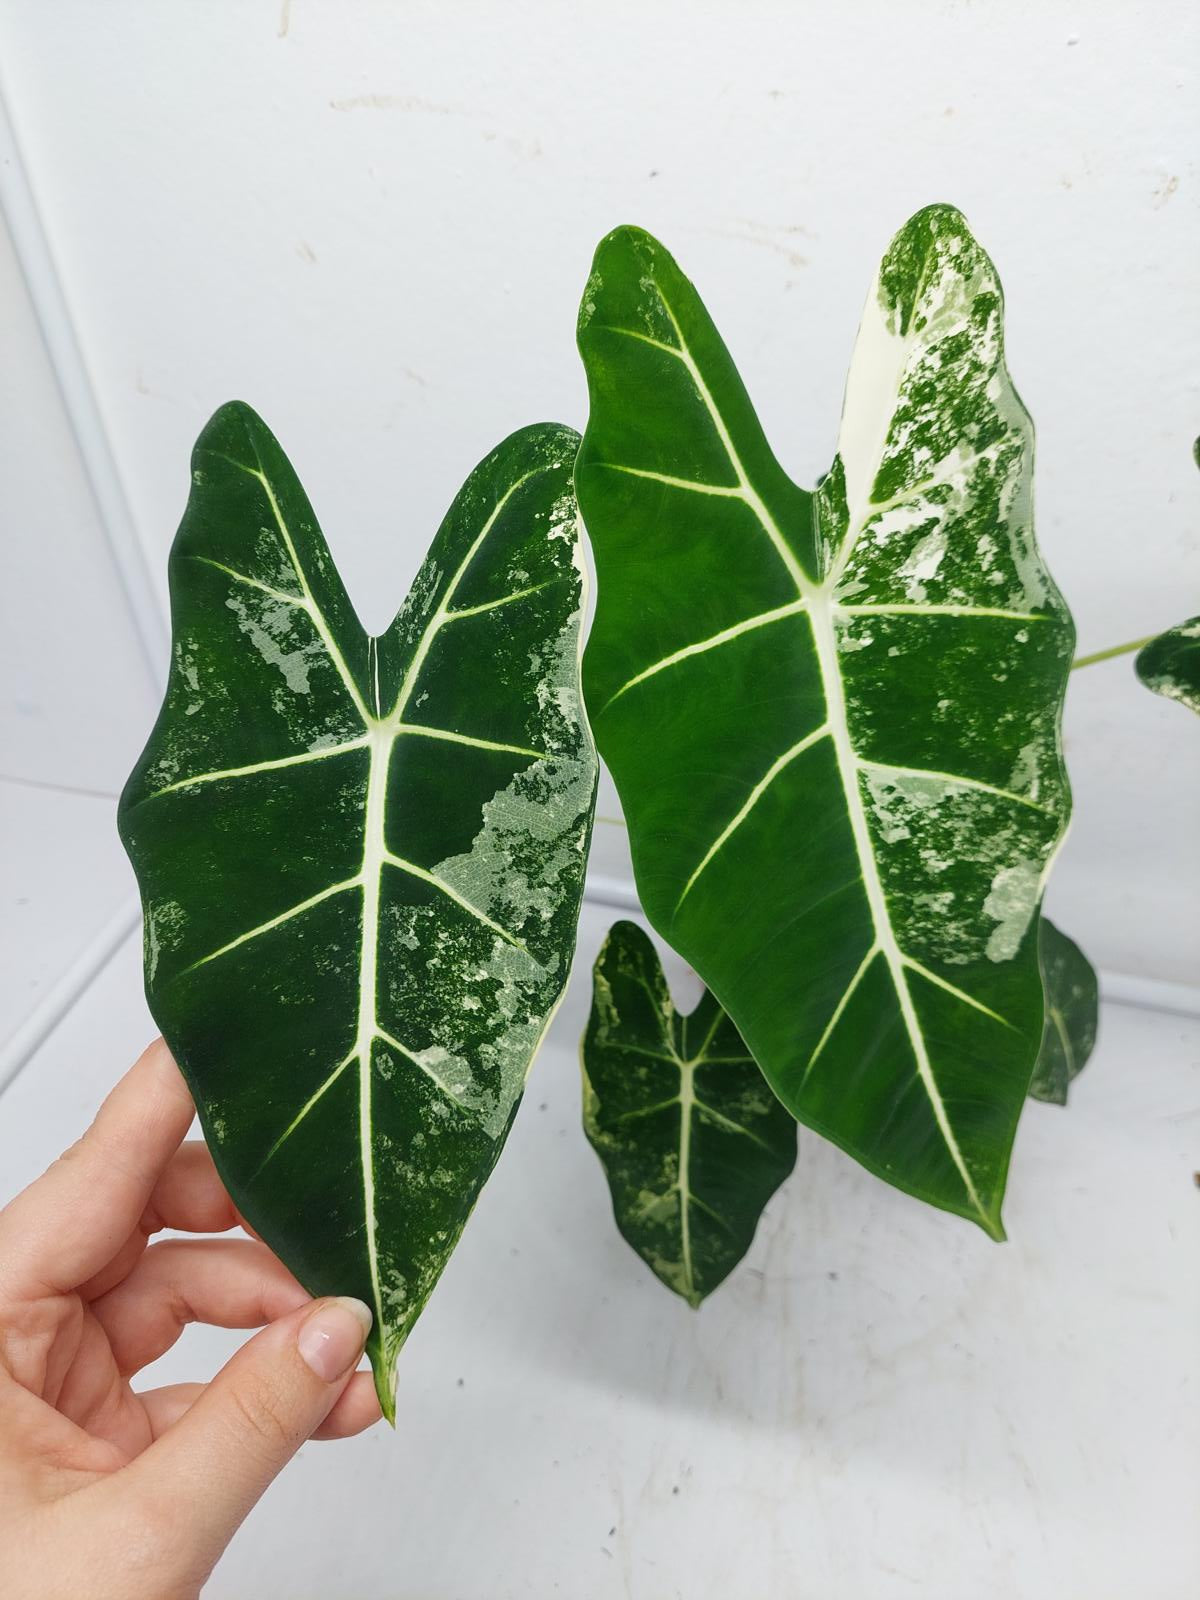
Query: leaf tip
[[620, 247], [939, 213], [233, 412], [611, 261], [627, 235], [229, 430], [385, 1384], [992, 1225]]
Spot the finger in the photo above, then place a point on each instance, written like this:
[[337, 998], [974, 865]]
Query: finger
[[165, 1406], [116, 1270], [189, 1196], [71, 1221], [231, 1283], [356, 1408], [209, 1468]]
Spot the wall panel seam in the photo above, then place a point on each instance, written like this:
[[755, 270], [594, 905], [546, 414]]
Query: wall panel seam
[[60, 335]]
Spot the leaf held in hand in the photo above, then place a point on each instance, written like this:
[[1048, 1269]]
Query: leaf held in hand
[[692, 1140], [1072, 1015], [833, 717], [361, 858]]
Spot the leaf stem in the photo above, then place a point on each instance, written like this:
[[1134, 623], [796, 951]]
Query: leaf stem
[[1113, 650]]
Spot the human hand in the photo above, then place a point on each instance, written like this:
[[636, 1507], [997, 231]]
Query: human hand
[[105, 1492]]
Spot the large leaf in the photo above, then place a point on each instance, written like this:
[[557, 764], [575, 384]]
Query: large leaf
[[1072, 1015], [692, 1140], [1170, 664], [833, 717], [361, 858]]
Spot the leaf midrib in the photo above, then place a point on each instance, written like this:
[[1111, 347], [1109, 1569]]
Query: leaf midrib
[[690, 1104]]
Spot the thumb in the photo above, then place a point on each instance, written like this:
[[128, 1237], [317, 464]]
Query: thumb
[[213, 1464]]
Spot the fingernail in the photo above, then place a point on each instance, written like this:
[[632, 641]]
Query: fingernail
[[331, 1340]]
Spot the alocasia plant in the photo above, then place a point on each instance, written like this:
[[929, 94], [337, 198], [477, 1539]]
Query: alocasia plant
[[1072, 1013], [361, 858], [692, 1140], [833, 716]]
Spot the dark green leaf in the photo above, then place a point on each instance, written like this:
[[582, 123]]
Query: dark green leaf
[[1072, 1014], [361, 858], [833, 717], [692, 1140], [1170, 664]]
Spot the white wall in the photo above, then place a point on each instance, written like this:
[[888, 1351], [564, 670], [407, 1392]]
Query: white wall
[[75, 699]]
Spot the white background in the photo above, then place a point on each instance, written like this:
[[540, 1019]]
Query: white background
[[373, 222]]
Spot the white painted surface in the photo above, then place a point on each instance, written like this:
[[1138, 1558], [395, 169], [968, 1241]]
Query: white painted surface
[[374, 222], [75, 697], [880, 1403], [62, 876]]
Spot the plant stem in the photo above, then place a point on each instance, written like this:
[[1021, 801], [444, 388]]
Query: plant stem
[[1113, 650], [613, 822]]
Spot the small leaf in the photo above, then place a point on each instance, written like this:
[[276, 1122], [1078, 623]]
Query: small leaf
[[833, 716], [1170, 664], [361, 858], [1072, 1014], [692, 1140]]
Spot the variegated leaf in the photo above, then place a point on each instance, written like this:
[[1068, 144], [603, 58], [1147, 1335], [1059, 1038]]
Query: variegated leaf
[[833, 717], [361, 858], [692, 1140], [1072, 1015], [1170, 664]]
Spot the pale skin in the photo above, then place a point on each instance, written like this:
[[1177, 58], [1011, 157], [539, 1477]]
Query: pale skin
[[117, 1494]]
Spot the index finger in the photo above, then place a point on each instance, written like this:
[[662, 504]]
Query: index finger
[[70, 1222]]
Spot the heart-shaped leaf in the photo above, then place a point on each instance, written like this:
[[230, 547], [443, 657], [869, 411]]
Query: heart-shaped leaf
[[833, 718], [1170, 664], [1072, 1015], [361, 858], [692, 1140]]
